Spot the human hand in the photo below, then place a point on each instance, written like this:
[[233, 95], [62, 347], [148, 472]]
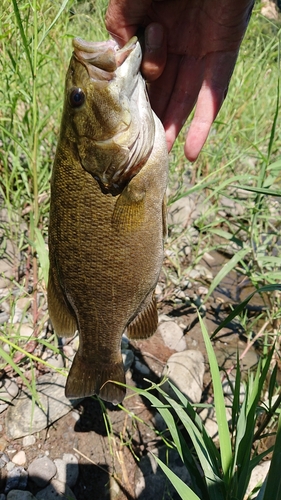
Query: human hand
[[191, 47]]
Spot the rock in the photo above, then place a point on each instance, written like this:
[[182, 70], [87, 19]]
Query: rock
[[28, 441], [50, 390], [16, 479], [10, 466], [227, 355], [56, 360], [20, 495], [3, 443], [19, 458], [151, 483], [9, 261], [2, 496], [4, 459], [185, 370], [56, 490], [41, 471], [26, 330], [172, 335], [258, 475], [8, 391], [67, 469], [142, 368], [128, 359]]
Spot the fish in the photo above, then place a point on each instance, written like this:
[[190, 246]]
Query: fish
[[107, 221]]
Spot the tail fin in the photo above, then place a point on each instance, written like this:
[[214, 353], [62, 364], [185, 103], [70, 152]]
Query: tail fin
[[87, 378]]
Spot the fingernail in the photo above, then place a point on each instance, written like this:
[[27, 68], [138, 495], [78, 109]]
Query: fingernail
[[154, 35]]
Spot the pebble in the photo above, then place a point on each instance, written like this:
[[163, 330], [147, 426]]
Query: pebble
[[151, 482], [41, 471], [28, 441], [185, 370], [26, 330], [56, 360], [50, 390], [172, 335], [258, 475], [19, 458], [16, 479], [20, 495], [67, 469], [8, 391], [128, 359], [142, 368], [56, 490]]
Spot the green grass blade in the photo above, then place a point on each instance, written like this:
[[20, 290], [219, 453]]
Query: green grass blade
[[226, 269], [62, 8], [241, 306], [22, 33], [263, 190], [273, 485], [224, 436], [183, 490]]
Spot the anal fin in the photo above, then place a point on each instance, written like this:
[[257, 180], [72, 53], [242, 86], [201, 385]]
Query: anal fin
[[87, 378], [145, 323]]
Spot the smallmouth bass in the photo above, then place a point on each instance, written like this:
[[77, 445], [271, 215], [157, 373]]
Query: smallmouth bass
[[107, 214]]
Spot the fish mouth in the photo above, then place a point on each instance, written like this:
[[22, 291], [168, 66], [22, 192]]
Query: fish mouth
[[102, 59]]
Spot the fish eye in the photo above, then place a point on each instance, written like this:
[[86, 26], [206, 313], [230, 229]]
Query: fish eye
[[76, 97]]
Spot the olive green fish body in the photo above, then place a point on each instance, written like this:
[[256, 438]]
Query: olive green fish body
[[106, 252]]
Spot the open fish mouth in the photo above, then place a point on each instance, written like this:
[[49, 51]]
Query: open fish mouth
[[102, 59]]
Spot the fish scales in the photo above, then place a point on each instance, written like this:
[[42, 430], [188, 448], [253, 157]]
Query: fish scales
[[106, 233]]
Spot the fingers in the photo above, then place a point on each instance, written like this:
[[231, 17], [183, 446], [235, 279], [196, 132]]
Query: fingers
[[218, 71], [155, 53], [183, 83]]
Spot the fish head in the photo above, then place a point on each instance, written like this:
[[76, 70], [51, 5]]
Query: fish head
[[107, 114]]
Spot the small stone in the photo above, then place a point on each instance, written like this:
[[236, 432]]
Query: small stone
[[8, 391], [204, 272], [56, 360], [202, 290], [16, 479], [172, 335], [258, 475], [19, 458], [75, 415], [56, 490], [41, 471], [10, 466], [26, 330], [4, 459], [67, 469], [150, 481], [194, 274], [23, 418], [2, 496], [141, 368], [20, 495], [3, 443], [28, 441], [128, 359], [185, 370]]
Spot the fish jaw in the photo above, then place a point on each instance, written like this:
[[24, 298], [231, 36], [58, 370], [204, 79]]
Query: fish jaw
[[114, 126]]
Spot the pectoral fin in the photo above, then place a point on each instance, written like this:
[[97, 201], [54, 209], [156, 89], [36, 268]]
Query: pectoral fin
[[63, 320], [129, 210], [145, 323]]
